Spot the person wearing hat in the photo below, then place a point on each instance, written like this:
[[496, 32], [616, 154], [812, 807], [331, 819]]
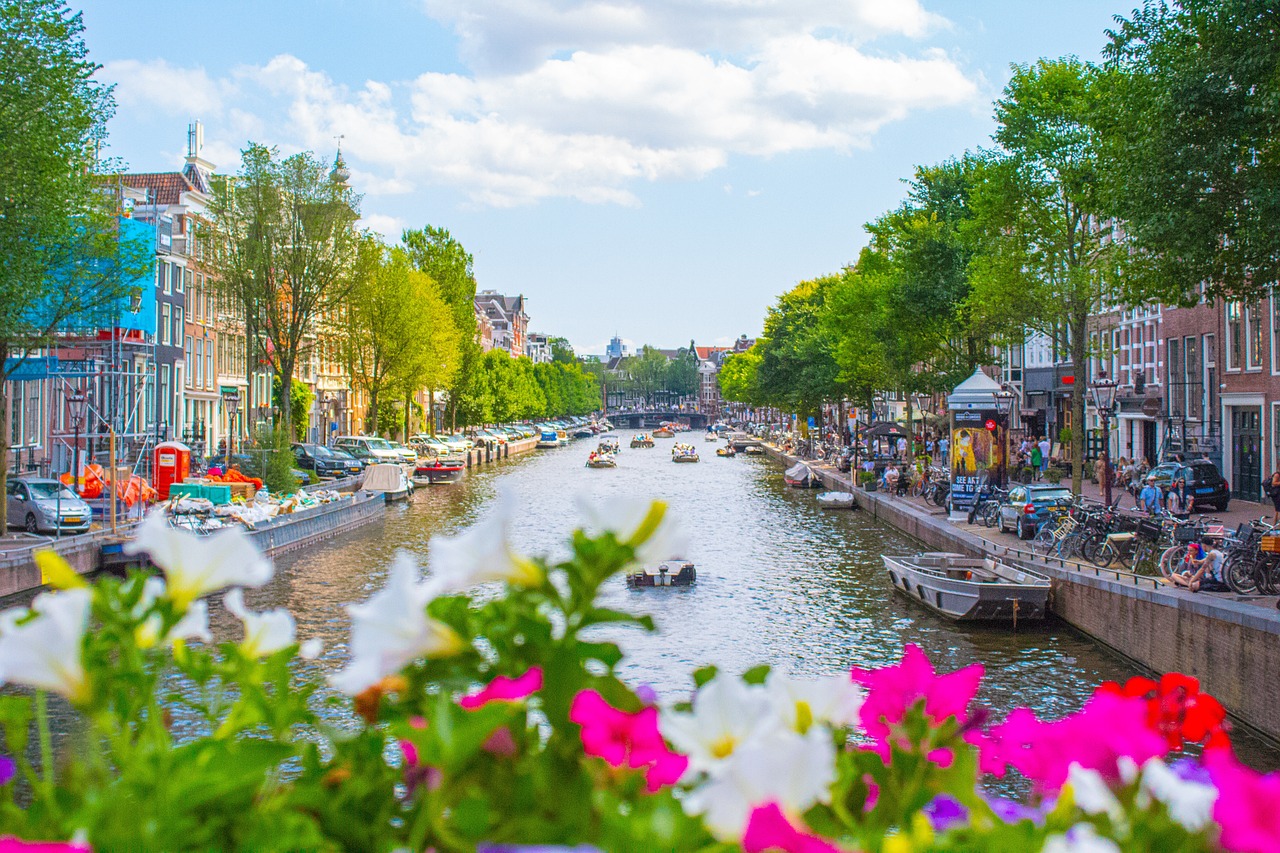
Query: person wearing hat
[[1149, 497]]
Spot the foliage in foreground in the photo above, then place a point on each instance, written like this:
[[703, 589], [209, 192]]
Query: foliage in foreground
[[493, 719]]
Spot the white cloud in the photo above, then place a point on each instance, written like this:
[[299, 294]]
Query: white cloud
[[585, 99], [389, 227]]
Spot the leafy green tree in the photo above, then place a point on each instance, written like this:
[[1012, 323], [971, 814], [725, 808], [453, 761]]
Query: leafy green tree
[[435, 348], [798, 371], [284, 246], [378, 323], [300, 401], [682, 372], [1188, 124], [739, 377], [857, 323], [1043, 261], [562, 351], [63, 263], [647, 371]]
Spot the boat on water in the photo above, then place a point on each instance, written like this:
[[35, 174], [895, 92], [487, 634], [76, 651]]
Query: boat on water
[[562, 437], [711, 436], [663, 432], [601, 460], [726, 451], [801, 476], [674, 572], [583, 432], [642, 440], [437, 473], [836, 500], [389, 480], [609, 444], [548, 438], [684, 453], [969, 588]]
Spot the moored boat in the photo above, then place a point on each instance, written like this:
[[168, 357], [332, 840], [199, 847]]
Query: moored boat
[[969, 588], [753, 450], [835, 500], [801, 476], [437, 473], [711, 436], [674, 572], [548, 438], [726, 451], [388, 480]]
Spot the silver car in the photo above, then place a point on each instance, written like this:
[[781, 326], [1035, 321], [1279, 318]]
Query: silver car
[[35, 504]]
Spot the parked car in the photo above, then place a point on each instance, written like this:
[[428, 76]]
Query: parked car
[[1029, 505], [407, 454], [326, 462], [1204, 482], [41, 505], [369, 449]]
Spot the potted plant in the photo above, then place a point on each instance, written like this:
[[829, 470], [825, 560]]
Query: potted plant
[[1053, 475], [867, 479]]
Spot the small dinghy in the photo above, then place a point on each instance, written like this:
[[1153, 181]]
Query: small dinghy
[[801, 476], [726, 451], [601, 460], [673, 572], [753, 450], [437, 474], [969, 588], [684, 453], [663, 432], [642, 440], [836, 500], [389, 480]]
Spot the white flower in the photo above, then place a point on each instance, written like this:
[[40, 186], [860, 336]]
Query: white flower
[[46, 651], [795, 771], [832, 701], [194, 624], [648, 526], [311, 649], [1189, 802], [198, 565], [392, 628], [1092, 793], [1081, 838], [482, 553], [726, 714], [264, 633]]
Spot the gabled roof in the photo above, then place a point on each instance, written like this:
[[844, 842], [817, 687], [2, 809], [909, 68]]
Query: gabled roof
[[705, 353], [165, 187]]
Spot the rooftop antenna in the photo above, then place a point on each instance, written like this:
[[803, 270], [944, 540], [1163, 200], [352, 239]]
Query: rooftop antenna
[[340, 174]]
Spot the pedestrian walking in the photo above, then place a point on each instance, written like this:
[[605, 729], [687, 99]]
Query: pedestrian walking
[[1037, 461], [1273, 492], [1044, 453]]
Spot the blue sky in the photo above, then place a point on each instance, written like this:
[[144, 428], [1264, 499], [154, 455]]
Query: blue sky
[[661, 169]]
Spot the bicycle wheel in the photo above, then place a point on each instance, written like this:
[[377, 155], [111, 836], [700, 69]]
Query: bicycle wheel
[[1264, 576], [1171, 557], [1238, 573], [1090, 545], [1044, 542], [990, 513], [1103, 553]]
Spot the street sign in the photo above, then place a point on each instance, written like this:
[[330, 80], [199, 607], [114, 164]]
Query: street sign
[[1151, 407]]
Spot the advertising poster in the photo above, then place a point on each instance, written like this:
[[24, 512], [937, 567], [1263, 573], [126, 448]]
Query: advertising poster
[[974, 452]]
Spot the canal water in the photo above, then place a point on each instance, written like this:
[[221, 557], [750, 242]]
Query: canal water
[[780, 581]]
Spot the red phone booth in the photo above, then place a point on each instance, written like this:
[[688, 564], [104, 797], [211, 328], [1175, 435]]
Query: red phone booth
[[172, 465]]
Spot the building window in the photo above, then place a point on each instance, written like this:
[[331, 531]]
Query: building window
[[166, 324], [199, 364], [165, 397], [1275, 333], [208, 362], [1257, 335], [167, 276], [1235, 337], [1173, 369], [187, 352], [186, 281], [1195, 391], [1210, 379], [177, 322]]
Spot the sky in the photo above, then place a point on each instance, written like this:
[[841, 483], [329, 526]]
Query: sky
[[657, 169]]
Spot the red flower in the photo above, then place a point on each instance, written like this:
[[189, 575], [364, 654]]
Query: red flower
[[1177, 710]]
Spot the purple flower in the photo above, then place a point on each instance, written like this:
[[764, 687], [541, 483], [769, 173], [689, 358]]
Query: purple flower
[[1011, 811], [7, 769], [945, 811], [647, 695], [1191, 770]]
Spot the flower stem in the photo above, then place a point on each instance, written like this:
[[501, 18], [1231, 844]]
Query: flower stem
[[46, 743]]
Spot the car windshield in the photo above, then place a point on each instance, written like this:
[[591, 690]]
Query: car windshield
[[50, 491], [379, 444], [1204, 471], [319, 450], [1051, 494]]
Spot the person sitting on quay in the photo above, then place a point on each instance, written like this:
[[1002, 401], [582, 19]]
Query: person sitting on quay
[[891, 476], [1202, 569]]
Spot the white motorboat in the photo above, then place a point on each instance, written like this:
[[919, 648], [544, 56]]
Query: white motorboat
[[835, 500], [969, 588]]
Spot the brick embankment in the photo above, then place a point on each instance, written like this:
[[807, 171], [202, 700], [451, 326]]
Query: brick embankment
[[1231, 643]]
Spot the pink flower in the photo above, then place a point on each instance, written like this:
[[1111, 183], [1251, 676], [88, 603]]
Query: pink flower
[[893, 690], [769, 829], [504, 689], [1246, 805], [10, 844], [1109, 727], [627, 739], [500, 743]]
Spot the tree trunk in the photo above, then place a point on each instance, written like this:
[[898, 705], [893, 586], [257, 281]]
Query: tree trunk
[[286, 395], [371, 417], [1079, 351], [408, 416], [4, 440], [431, 412]]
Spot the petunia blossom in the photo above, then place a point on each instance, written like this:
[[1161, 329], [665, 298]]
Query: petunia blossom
[[194, 624], [9, 844], [833, 701], [8, 768], [392, 629], [726, 713], [792, 770], [505, 689], [893, 690], [1178, 710], [623, 738], [768, 829], [483, 553], [1081, 838], [945, 811], [1246, 804], [46, 651], [264, 633], [195, 566], [1190, 802], [646, 525]]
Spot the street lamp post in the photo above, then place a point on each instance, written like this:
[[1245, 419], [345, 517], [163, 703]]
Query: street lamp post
[[1004, 406], [1104, 398], [77, 402], [233, 405]]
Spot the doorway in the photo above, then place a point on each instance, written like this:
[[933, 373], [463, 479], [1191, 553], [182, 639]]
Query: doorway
[[1246, 452]]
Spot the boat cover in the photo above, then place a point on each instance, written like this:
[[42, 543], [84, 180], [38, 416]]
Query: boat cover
[[798, 471], [383, 478], [836, 499]]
